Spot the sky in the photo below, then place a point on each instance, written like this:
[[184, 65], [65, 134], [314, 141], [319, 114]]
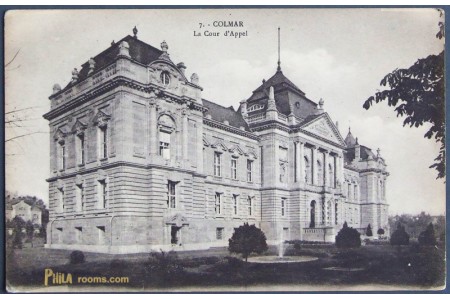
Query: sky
[[339, 55]]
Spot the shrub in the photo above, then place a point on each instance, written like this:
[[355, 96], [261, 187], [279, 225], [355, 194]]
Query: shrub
[[247, 239], [164, 267], [77, 257], [399, 237], [427, 237], [380, 231], [348, 237], [369, 230]]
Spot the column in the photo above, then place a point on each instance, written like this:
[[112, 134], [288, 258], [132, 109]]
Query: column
[[184, 114], [335, 171], [153, 128], [300, 162], [325, 168], [313, 165]]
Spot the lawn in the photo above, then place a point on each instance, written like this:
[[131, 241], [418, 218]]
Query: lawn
[[371, 265]]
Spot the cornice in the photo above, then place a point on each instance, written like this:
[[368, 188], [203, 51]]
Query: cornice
[[216, 124], [117, 82]]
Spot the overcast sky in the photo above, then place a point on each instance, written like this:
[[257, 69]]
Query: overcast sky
[[338, 55]]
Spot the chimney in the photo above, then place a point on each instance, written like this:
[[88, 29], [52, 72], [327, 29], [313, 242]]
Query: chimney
[[182, 67], [244, 108], [56, 88]]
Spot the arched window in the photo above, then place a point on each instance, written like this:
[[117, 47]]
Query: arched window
[[312, 213], [307, 174], [319, 173], [335, 213], [330, 176], [165, 78], [329, 212], [166, 129]]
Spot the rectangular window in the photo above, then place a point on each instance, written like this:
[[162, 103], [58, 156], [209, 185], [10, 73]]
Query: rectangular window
[[79, 234], [59, 235], [62, 155], [164, 144], [249, 170], [235, 204], [81, 149], [218, 204], [103, 141], [233, 168], [101, 235], [61, 200], [171, 194], [249, 205], [103, 193], [80, 197], [283, 207], [219, 233], [217, 164]]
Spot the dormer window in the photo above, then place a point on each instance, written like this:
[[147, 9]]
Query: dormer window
[[165, 78], [255, 107]]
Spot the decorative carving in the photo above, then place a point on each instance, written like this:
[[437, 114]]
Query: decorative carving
[[91, 65], [124, 49], [194, 79], [74, 75], [101, 118]]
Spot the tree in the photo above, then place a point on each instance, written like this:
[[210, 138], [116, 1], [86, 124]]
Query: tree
[[348, 237], [399, 237], [18, 224], [428, 237], [369, 230], [247, 239], [419, 94], [380, 231]]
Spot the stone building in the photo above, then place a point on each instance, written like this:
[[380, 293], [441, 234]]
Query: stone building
[[139, 160], [24, 207]]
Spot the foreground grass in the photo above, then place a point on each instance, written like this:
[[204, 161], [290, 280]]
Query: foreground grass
[[371, 264]]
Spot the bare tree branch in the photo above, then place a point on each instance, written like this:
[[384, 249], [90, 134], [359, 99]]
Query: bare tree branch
[[27, 134], [15, 55]]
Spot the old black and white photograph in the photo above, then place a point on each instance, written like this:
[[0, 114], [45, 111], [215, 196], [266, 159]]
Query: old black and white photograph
[[225, 150]]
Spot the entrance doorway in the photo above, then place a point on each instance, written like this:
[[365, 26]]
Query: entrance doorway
[[175, 235]]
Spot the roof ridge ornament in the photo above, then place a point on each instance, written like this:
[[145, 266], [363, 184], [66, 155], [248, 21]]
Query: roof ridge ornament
[[271, 105], [279, 59], [135, 31], [164, 48]]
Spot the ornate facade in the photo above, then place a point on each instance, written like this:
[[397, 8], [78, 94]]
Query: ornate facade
[[139, 160]]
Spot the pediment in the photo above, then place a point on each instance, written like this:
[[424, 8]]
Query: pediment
[[237, 150], [60, 133], [78, 127], [219, 145], [101, 117], [177, 220], [324, 128]]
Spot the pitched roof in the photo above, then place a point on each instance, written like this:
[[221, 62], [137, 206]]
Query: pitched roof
[[288, 97], [220, 113], [349, 139], [365, 153], [139, 51]]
